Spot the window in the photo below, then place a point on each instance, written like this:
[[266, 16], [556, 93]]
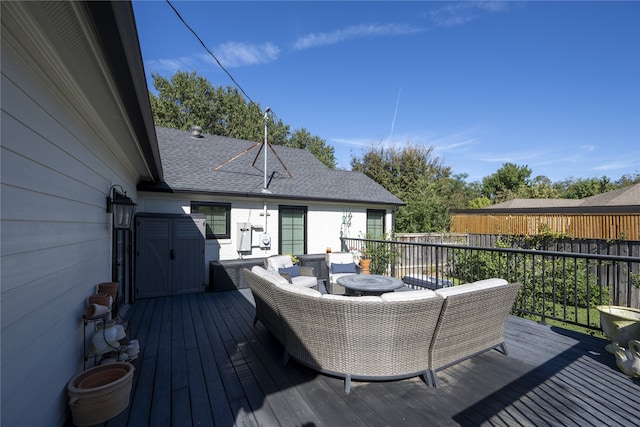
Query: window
[[293, 230], [218, 217], [375, 223]]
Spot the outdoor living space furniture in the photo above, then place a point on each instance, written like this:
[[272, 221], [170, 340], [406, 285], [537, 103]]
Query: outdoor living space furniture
[[393, 336], [295, 274], [339, 264], [471, 322], [368, 284]]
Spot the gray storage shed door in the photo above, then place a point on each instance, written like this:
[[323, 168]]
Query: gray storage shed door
[[169, 255]]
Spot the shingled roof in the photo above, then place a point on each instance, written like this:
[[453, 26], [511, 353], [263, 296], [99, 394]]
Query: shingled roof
[[626, 199], [229, 166]]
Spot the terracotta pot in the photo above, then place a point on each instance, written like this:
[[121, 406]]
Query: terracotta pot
[[366, 266], [100, 393], [110, 288], [100, 299], [96, 310]]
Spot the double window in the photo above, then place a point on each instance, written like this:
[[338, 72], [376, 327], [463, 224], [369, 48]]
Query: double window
[[218, 216]]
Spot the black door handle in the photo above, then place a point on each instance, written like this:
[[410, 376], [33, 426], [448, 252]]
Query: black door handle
[[172, 254]]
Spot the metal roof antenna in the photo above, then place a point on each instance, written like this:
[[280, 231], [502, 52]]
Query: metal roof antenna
[[263, 146], [266, 117]]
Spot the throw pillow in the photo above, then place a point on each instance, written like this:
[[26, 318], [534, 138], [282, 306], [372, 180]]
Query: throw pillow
[[343, 268], [293, 271]]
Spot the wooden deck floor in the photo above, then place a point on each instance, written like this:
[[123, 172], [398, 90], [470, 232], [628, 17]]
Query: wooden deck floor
[[204, 364]]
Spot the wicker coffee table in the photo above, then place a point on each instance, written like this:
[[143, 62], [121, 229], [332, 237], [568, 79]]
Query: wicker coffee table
[[368, 284]]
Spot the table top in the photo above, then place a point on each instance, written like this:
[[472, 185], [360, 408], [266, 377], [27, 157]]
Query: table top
[[369, 282]]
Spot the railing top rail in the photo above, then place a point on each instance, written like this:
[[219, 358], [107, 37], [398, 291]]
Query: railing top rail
[[618, 258]]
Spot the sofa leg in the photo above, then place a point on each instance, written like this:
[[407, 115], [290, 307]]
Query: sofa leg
[[285, 358], [425, 377], [431, 378], [347, 384], [503, 349]]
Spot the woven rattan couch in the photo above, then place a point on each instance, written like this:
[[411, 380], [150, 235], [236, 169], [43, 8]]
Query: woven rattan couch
[[393, 336]]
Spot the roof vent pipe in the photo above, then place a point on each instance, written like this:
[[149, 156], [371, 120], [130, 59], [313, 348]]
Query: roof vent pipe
[[196, 132]]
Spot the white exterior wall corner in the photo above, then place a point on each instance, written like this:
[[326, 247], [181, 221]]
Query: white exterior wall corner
[[56, 169]]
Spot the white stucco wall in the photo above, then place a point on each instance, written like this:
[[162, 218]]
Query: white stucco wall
[[324, 222]]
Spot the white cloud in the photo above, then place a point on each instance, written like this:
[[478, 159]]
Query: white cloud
[[354, 142], [452, 15], [235, 54], [231, 54], [171, 66], [616, 165], [352, 32]]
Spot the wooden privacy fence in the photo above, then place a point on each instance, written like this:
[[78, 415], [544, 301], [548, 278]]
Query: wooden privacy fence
[[623, 226]]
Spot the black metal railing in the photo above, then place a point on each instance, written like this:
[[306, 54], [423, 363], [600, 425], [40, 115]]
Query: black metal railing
[[555, 285]]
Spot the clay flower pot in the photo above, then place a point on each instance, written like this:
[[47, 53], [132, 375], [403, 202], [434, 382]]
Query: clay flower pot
[[100, 393], [110, 288], [365, 263], [96, 310], [100, 299]]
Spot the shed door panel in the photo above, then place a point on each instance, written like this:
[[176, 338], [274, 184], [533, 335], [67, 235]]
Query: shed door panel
[[153, 269], [188, 246], [169, 256]]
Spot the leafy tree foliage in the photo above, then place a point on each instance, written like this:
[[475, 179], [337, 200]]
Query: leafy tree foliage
[[507, 183], [581, 188], [190, 100], [416, 176], [301, 138], [541, 188]]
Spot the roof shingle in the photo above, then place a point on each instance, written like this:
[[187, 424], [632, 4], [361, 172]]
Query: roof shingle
[[221, 165]]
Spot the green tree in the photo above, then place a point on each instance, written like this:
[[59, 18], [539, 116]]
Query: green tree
[[509, 182], [479, 202], [542, 188], [190, 100], [580, 188], [628, 179], [184, 101], [416, 176], [301, 138]]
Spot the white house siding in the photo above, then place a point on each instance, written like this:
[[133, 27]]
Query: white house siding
[[323, 222], [56, 171]]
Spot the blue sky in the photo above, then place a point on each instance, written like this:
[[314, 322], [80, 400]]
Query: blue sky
[[552, 85]]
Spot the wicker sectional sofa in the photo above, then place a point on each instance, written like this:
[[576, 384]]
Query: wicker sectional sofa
[[393, 336]]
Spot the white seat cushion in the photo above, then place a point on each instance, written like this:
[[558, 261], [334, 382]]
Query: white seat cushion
[[339, 258], [408, 295], [490, 283], [305, 281], [279, 261], [455, 290], [274, 278], [301, 290]]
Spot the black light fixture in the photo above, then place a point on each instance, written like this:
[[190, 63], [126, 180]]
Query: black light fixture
[[122, 208]]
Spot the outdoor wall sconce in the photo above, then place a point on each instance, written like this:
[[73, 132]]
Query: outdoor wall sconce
[[122, 208]]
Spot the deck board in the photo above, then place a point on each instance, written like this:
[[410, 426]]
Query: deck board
[[204, 363]]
